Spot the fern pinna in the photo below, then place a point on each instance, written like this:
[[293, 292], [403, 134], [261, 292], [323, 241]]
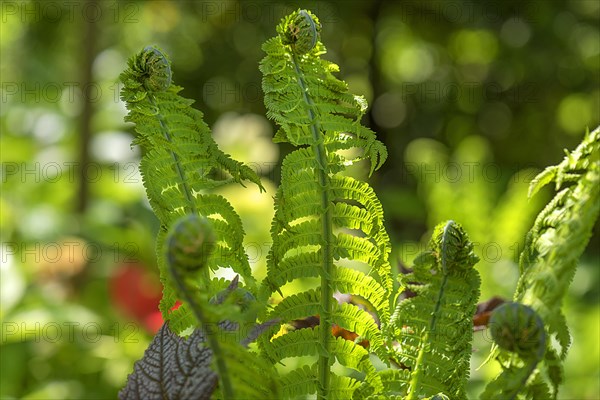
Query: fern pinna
[[549, 260], [181, 162], [323, 219]]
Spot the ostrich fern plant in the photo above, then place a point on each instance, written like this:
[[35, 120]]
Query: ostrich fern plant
[[330, 226]]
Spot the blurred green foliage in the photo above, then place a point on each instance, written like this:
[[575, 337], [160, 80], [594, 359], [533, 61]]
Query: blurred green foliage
[[470, 98], [468, 186]]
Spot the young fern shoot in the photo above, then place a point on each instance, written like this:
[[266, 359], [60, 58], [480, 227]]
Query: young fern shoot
[[549, 260], [316, 208], [180, 165], [435, 328], [519, 332]]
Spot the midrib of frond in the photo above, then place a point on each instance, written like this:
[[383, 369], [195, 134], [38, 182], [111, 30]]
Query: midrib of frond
[[178, 167], [418, 374], [211, 332], [215, 346], [444, 261], [327, 235]]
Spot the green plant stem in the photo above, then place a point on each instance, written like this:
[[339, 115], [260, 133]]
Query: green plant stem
[[326, 247], [210, 332], [418, 374], [179, 281], [444, 262], [185, 189], [180, 172]]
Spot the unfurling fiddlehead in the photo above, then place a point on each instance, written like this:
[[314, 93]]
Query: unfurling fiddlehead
[[180, 166], [188, 246], [324, 220], [549, 260], [518, 330], [301, 31], [190, 242], [435, 328], [153, 69]]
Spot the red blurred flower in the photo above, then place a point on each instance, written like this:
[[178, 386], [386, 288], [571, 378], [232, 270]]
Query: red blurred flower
[[136, 292]]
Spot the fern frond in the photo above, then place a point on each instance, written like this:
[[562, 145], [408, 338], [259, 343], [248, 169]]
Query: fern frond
[[180, 165], [322, 218], [353, 319], [552, 248], [573, 166], [354, 282], [435, 327], [293, 344]]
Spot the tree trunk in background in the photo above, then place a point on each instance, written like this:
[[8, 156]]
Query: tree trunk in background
[[88, 53]]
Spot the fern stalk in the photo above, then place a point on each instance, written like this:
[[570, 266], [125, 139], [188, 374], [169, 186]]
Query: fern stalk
[[418, 375], [188, 197], [435, 327], [211, 333], [176, 161], [327, 234]]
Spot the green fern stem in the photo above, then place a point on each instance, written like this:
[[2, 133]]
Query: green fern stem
[[418, 375], [178, 167], [211, 333], [327, 234], [444, 262], [181, 174], [184, 228]]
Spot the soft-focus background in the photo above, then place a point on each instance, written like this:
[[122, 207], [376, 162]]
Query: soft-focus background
[[471, 99]]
